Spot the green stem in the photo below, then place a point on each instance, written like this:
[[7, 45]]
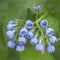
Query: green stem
[[41, 17], [34, 28], [37, 21], [38, 24], [47, 40], [37, 15], [16, 35], [39, 29], [37, 32]]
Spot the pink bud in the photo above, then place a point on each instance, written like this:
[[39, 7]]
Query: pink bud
[[43, 51]]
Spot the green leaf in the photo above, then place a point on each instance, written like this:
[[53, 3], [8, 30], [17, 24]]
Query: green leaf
[[53, 6]]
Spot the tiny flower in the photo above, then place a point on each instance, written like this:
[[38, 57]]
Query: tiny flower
[[10, 34], [11, 43], [53, 39], [39, 47], [30, 34], [44, 23], [20, 47], [23, 32], [22, 39], [50, 48], [49, 32], [12, 22], [37, 7], [10, 26], [29, 24], [34, 40]]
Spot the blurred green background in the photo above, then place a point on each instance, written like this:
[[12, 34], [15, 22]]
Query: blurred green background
[[10, 9]]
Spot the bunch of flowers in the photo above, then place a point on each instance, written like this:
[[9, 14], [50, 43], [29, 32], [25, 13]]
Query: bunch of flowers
[[18, 33]]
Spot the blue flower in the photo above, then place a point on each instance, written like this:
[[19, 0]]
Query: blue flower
[[39, 47], [34, 40], [49, 32], [30, 34], [23, 32], [53, 39], [12, 22], [14, 31], [20, 47], [29, 24], [10, 26], [50, 48], [37, 7], [10, 34], [22, 39], [44, 23], [11, 43]]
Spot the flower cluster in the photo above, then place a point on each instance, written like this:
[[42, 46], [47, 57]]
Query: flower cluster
[[49, 33], [33, 32], [27, 32], [10, 33]]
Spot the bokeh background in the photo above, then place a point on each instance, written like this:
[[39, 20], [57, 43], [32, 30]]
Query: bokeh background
[[11, 9]]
